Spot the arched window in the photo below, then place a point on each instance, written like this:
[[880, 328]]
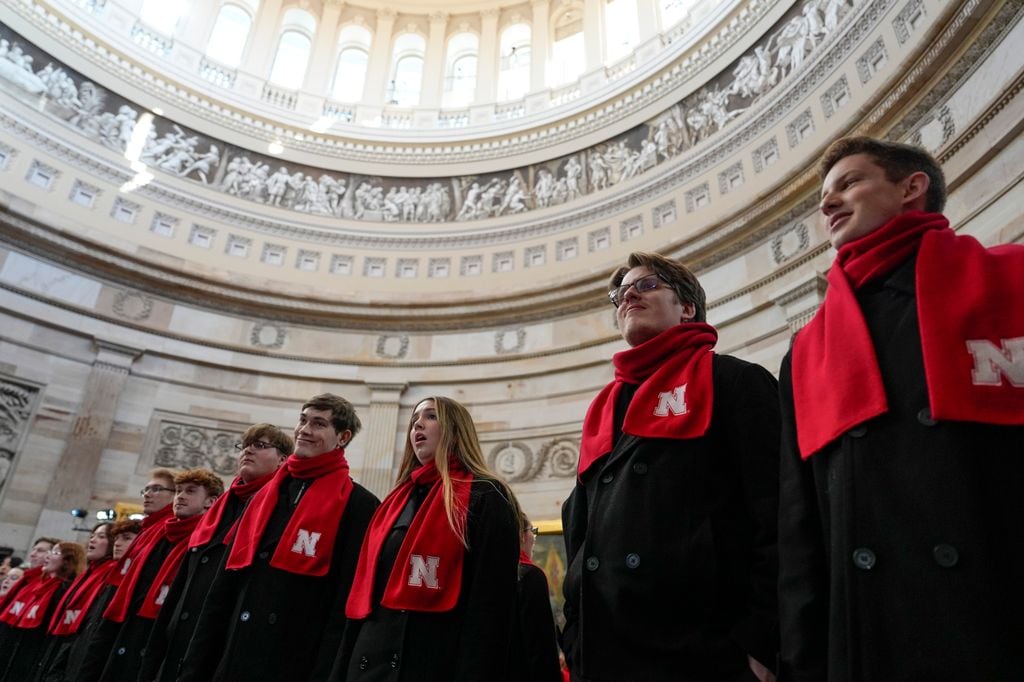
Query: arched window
[[460, 69], [162, 15], [407, 72], [292, 57], [568, 53], [673, 11], [353, 58], [229, 34], [621, 28], [514, 72]]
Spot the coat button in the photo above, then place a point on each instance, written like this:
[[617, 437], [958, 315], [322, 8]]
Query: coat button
[[864, 558], [640, 468], [632, 560], [204, 560], [121, 651], [184, 615], [263, 555], [592, 563], [394, 661], [858, 431], [924, 415], [245, 616], [363, 663], [607, 478], [194, 549], [272, 618], [945, 555]]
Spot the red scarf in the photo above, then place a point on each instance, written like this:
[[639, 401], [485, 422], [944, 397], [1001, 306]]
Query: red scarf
[[427, 575], [210, 521], [965, 293], [177, 533], [129, 567], [29, 609], [674, 398], [79, 598], [524, 558], [307, 543], [29, 576]]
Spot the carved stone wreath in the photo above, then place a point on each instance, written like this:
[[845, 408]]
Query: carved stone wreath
[[267, 335], [133, 305], [515, 461], [562, 454]]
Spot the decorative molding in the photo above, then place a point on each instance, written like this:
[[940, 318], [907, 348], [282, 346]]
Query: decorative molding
[[392, 347], [268, 336], [18, 400], [132, 305], [790, 243], [180, 441], [502, 346]]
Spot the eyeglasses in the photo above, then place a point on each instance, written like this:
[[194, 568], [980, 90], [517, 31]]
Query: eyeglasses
[[534, 530], [648, 283], [154, 489], [255, 445]]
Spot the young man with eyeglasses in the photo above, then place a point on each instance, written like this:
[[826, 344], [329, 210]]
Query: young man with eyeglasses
[[670, 531], [262, 450], [140, 598], [903, 439], [276, 609]]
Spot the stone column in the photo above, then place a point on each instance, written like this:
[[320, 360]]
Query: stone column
[[262, 44], [72, 482], [433, 62], [194, 28], [647, 19], [487, 58], [801, 300], [324, 53], [378, 474], [540, 44], [593, 33], [378, 68]]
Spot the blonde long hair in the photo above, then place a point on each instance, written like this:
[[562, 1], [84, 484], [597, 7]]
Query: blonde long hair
[[458, 438]]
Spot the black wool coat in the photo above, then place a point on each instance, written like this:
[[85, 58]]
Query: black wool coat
[[262, 623], [175, 624], [534, 641], [671, 545], [24, 647], [900, 545], [470, 643], [65, 656]]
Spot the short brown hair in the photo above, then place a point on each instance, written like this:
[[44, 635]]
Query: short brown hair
[[270, 434], [896, 159], [165, 474], [124, 527], [343, 414], [50, 541], [675, 274], [204, 477]]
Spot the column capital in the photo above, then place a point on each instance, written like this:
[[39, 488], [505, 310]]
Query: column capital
[[439, 17], [115, 355], [490, 14], [386, 392], [800, 301], [386, 14]]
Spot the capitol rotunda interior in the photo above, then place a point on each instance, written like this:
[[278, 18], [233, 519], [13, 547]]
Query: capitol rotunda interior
[[211, 211]]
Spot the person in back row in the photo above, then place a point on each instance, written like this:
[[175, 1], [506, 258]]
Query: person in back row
[[69, 643], [262, 450], [534, 641], [903, 419], [275, 608], [25, 643], [435, 590], [147, 581], [670, 531]]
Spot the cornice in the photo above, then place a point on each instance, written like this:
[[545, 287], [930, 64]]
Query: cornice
[[516, 138]]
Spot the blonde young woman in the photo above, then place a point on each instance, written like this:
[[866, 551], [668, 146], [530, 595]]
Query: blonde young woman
[[435, 589]]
